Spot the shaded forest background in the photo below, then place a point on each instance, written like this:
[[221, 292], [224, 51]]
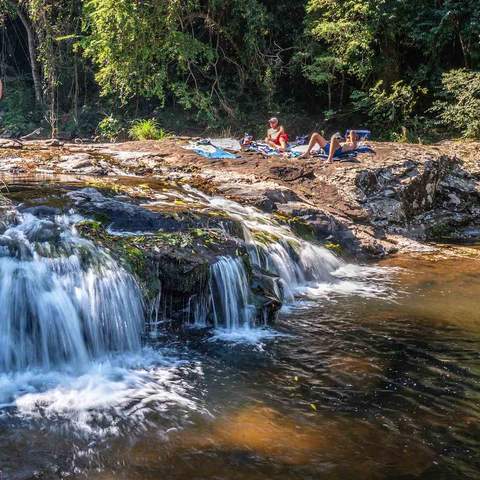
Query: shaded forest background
[[407, 69]]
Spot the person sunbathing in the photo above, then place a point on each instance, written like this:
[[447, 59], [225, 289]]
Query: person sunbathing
[[276, 136], [334, 147]]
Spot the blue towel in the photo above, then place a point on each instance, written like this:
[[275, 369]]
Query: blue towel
[[364, 149], [362, 134], [263, 149], [348, 155], [217, 154]]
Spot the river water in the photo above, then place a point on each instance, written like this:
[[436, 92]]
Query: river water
[[375, 375]]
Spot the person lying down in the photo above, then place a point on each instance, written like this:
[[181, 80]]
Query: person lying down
[[335, 147]]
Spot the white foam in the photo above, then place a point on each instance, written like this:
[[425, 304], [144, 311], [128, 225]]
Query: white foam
[[114, 388], [245, 335]]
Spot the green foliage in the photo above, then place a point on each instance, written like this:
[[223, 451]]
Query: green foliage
[[110, 128], [334, 247], [177, 48], [458, 105], [387, 110], [147, 130], [347, 29], [229, 64], [18, 113]]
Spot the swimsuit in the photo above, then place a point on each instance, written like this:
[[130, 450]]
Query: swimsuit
[[337, 153], [277, 140]]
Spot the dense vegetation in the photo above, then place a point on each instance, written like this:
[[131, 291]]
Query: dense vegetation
[[408, 69]]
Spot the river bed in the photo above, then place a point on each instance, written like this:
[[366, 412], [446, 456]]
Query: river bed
[[376, 376]]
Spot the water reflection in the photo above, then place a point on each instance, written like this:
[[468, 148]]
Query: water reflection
[[353, 387], [339, 447]]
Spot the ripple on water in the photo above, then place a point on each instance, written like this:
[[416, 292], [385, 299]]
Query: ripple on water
[[102, 397]]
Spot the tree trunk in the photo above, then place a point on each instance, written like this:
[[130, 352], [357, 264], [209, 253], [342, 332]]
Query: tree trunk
[[329, 90], [32, 51], [342, 91]]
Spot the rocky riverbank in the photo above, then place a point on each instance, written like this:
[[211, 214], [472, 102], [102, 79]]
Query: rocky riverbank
[[400, 199]]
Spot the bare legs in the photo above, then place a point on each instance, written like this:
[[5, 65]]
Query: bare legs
[[317, 139], [334, 146], [282, 147]]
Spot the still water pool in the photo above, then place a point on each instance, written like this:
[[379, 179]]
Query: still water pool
[[378, 379]]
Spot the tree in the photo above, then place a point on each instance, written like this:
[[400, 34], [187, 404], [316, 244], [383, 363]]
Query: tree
[[17, 8], [202, 54], [458, 103]]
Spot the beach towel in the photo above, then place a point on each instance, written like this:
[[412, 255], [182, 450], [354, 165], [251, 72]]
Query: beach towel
[[362, 134], [230, 144], [345, 156], [217, 154], [263, 149], [206, 149]]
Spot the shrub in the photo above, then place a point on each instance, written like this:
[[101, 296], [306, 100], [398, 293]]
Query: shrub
[[147, 130], [458, 103], [389, 110], [110, 128], [18, 112]]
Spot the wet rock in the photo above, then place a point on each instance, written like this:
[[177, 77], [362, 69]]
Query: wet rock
[[43, 231], [81, 163], [122, 214], [263, 195], [118, 214], [174, 271], [267, 290], [42, 211]]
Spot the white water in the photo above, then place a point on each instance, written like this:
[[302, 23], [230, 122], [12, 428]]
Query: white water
[[230, 294], [72, 318], [96, 398], [64, 301], [305, 270], [274, 247], [71, 330]]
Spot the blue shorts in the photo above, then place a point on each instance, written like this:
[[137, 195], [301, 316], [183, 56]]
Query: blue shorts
[[338, 151]]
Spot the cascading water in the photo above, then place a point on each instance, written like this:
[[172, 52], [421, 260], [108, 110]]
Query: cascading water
[[64, 301], [275, 248], [230, 293], [296, 262], [272, 247]]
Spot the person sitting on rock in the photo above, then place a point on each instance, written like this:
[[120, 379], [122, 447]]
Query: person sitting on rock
[[276, 136], [334, 147]]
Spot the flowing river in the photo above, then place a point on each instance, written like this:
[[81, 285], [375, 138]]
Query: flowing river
[[369, 372]]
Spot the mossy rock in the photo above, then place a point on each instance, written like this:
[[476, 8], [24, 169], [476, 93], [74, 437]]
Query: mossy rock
[[334, 247]]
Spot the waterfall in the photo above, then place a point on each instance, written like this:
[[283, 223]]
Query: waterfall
[[297, 262], [272, 247], [230, 294], [64, 301]]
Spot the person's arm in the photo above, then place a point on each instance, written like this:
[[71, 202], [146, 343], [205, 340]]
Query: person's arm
[[281, 131]]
